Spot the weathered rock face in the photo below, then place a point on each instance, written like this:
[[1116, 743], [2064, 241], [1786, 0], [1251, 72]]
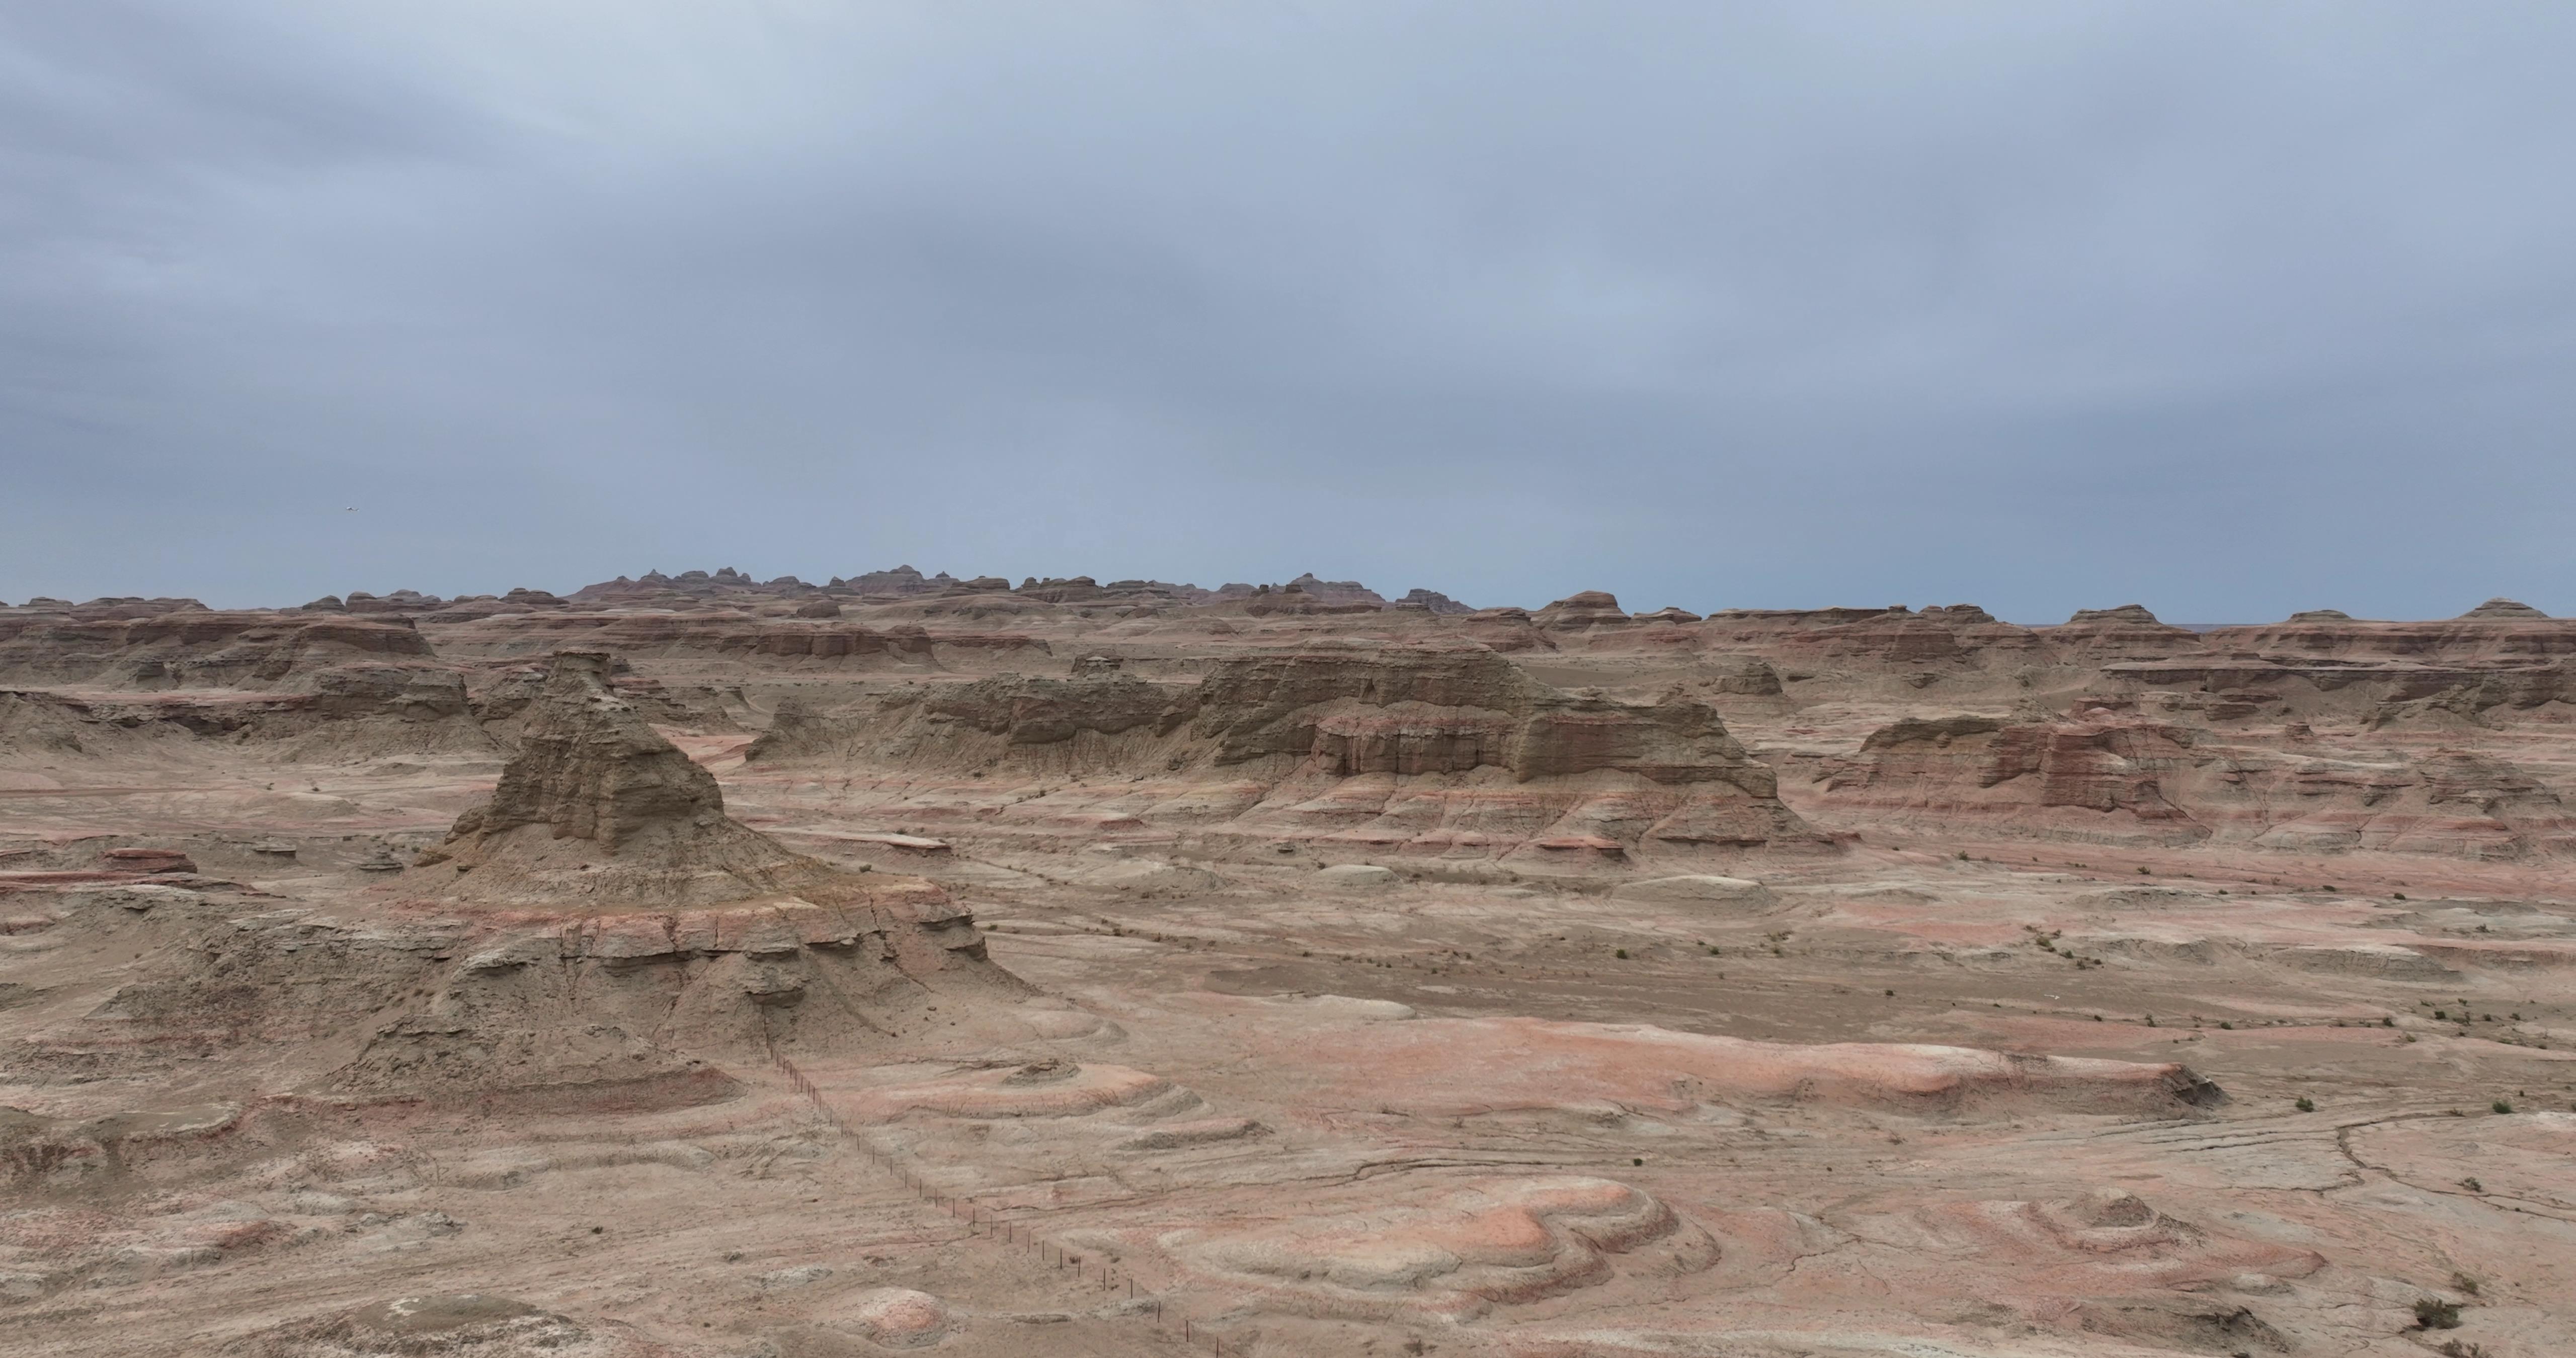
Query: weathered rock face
[[2122, 778], [589, 769], [2129, 630], [758, 643], [1427, 711], [2484, 639], [348, 712], [1876, 641], [598, 810], [636, 914], [1955, 764], [1337, 591], [2376, 690], [1581, 612], [1431, 601], [1447, 749], [2320, 664], [196, 648], [2126, 614], [975, 725]]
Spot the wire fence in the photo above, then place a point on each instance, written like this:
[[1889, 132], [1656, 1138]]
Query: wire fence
[[1002, 1231]]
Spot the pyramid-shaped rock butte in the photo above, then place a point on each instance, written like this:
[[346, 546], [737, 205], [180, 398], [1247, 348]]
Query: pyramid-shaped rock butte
[[599, 811], [627, 922]]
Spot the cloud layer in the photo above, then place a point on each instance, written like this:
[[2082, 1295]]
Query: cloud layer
[[2225, 309]]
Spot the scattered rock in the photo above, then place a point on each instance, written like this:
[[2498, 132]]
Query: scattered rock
[[1349, 875]]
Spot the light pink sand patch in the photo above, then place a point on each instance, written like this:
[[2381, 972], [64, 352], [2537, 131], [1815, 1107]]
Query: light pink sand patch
[[1457, 1067], [1455, 1255]]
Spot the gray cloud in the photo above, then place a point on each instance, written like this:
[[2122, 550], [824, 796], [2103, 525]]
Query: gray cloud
[[2226, 309]]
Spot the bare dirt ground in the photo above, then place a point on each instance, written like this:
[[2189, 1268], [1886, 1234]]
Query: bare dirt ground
[[1933, 1084]]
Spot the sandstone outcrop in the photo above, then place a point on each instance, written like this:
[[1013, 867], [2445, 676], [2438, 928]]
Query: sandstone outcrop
[[1426, 749], [293, 684], [734, 640], [1416, 994], [1337, 591], [2115, 777], [1582, 612], [599, 811], [196, 648], [954, 725], [2129, 630], [638, 913], [1877, 643], [1954, 765], [1431, 601], [342, 713]]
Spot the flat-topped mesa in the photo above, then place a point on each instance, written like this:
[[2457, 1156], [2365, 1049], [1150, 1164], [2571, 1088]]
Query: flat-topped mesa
[[194, 647], [2134, 614], [1442, 710], [2126, 631], [598, 809], [1337, 591], [1431, 601], [1421, 749], [1580, 612], [2107, 776]]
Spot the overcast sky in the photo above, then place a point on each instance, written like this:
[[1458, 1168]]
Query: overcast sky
[[2230, 309]]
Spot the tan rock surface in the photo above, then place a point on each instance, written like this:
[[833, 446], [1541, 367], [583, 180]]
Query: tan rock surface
[[1559, 1083]]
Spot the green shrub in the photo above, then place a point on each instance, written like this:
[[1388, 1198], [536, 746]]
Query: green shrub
[[2433, 1313]]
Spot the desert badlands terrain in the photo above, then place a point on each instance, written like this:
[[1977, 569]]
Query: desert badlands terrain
[[700, 965]]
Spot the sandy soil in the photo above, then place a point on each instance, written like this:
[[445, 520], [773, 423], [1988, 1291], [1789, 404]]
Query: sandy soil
[[1934, 1089]]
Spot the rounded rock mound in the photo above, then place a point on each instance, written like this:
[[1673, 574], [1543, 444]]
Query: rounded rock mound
[[1695, 889]]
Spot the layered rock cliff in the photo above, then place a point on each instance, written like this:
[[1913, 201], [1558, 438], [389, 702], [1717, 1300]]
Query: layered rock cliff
[[1450, 750], [2122, 778]]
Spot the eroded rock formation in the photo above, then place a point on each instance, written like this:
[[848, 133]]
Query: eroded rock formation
[[2115, 777], [603, 920], [1426, 749]]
